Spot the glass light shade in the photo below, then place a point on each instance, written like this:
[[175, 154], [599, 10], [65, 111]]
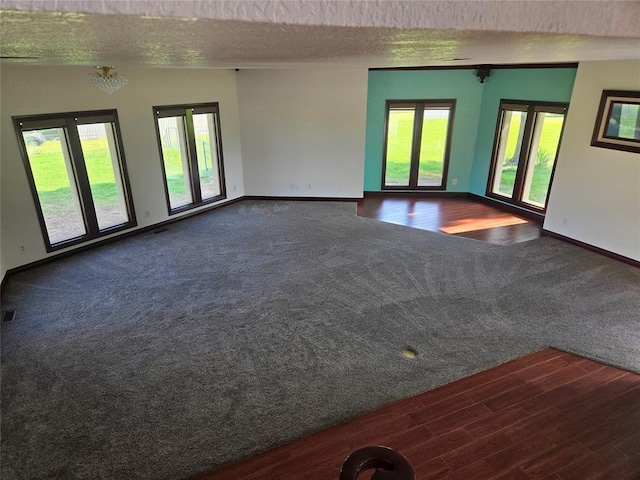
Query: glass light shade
[[106, 80]]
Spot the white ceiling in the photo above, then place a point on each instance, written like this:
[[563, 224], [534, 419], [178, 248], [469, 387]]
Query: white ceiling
[[268, 34]]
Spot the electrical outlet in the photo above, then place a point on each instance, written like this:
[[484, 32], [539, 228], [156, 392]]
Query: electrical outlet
[[146, 213], [22, 249], [454, 181], [564, 221], [309, 187]]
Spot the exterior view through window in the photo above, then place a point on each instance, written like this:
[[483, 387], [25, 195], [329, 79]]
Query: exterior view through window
[[618, 121], [190, 144], [77, 175], [624, 121], [525, 152], [417, 144]]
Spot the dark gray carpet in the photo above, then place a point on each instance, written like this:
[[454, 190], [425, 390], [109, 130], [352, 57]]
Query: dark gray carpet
[[167, 354]]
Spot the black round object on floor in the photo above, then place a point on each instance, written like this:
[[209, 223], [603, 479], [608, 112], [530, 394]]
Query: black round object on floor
[[389, 464]]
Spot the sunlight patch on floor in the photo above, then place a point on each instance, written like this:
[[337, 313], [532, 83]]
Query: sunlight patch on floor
[[473, 224]]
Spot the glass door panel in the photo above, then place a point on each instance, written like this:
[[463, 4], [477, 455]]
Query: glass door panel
[[54, 180], [433, 146], [204, 130], [399, 144], [101, 161], [508, 155], [542, 157], [175, 159]]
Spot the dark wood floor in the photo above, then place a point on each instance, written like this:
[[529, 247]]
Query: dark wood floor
[[549, 416], [452, 215]]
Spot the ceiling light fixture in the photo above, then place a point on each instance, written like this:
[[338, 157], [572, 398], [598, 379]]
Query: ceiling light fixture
[[107, 80], [483, 72]]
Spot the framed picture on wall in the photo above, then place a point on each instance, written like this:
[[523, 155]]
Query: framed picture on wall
[[618, 121]]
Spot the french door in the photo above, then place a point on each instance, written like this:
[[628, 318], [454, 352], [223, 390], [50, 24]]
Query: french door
[[76, 170], [190, 142], [417, 144], [526, 148]]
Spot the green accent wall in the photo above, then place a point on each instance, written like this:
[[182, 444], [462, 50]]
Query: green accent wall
[[475, 115], [424, 85]]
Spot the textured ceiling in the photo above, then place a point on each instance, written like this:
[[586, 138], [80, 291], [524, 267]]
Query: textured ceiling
[[304, 33], [609, 18]]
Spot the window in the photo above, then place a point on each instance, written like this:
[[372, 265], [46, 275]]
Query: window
[[76, 170], [525, 152], [618, 122], [191, 150], [417, 144]]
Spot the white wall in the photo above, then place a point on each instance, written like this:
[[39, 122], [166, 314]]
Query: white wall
[[303, 128], [36, 90], [595, 196]]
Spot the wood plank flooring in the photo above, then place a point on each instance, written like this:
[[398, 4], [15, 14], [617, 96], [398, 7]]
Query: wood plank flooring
[[452, 215], [550, 415]]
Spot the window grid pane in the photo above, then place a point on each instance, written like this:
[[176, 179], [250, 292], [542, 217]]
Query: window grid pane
[[208, 173], [627, 126], [54, 180], [542, 157], [510, 146], [433, 146], [175, 160], [101, 161], [399, 143]]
